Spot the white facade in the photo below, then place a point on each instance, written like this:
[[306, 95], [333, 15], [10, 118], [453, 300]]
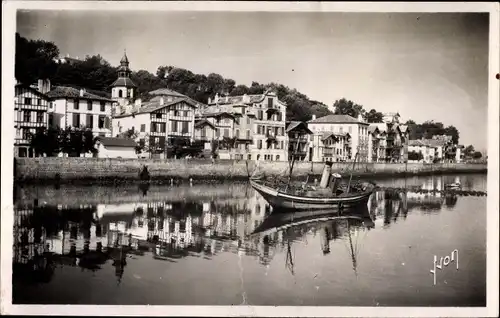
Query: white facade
[[84, 110], [116, 152], [340, 125]]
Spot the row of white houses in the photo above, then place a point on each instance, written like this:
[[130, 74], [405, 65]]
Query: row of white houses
[[247, 127]]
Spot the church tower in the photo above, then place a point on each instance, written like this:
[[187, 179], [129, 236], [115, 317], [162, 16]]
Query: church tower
[[123, 89]]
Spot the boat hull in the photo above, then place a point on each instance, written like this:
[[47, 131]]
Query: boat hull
[[287, 202]]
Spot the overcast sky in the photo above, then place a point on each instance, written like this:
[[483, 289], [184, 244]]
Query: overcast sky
[[424, 66]]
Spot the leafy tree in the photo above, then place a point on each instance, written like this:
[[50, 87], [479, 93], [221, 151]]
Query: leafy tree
[[34, 59], [374, 116], [469, 150], [477, 155], [416, 156], [348, 107], [45, 141], [129, 134]]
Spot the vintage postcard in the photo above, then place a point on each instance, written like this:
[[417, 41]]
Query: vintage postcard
[[250, 158]]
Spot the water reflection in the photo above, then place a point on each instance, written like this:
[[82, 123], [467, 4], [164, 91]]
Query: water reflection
[[48, 236]]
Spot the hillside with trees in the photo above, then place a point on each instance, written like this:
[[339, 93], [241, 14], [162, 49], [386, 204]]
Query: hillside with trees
[[36, 59]]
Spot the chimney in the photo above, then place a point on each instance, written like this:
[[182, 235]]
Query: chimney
[[313, 117], [40, 85], [162, 101], [217, 98], [360, 117], [209, 100], [82, 91], [227, 99]]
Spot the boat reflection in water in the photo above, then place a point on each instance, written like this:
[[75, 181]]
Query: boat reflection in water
[[90, 237]]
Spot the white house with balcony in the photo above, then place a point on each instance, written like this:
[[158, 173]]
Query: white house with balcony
[[158, 122], [256, 122], [351, 136]]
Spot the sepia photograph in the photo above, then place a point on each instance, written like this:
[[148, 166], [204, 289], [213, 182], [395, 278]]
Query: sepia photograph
[[267, 159]]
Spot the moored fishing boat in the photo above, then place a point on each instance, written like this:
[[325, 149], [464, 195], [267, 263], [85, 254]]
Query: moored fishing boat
[[330, 194], [284, 200]]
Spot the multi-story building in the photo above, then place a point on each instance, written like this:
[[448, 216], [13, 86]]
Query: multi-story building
[[77, 108], [388, 140], [159, 123], [331, 146], [355, 132], [299, 143], [424, 147], [30, 107], [257, 125]]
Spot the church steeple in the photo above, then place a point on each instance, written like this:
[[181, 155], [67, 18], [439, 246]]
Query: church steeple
[[123, 89]]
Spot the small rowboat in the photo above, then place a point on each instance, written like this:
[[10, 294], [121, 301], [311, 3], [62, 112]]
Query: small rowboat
[[283, 201]]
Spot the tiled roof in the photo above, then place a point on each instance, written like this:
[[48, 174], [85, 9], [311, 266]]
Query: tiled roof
[[123, 81], [202, 122], [426, 142], [327, 135], [372, 129], [117, 142], [250, 99], [294, 124], [70, 92], [151, 106], [336, 119], [166, 91], [217, 114], [34, 90]]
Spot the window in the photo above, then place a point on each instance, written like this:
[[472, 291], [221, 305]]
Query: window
[[282, 145], [226, 132], [163, 127], [153, 127], [89, 105], [248, 120], [186, 113], [158, 115], [120, 93], [217, 132], [27, 101], [39, 101], [279, 117], [101, 121], [259, 114], [143, 127], [249, 157], [203, 132], [77, 104], [103, 106], [176, 113], [270, 102], [248, 133], [237, 133], [51, 120], [90, 121], [76, 120], [259, 144], [39, 117], [26, 133], [27, 116]]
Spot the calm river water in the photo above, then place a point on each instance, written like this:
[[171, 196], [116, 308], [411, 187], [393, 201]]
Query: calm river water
[[221, 245]]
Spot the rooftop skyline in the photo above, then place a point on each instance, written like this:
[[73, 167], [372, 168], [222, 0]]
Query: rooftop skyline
[[430, 66]]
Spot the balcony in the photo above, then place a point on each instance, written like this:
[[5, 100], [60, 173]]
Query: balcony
[[270, 136], [300, 139]]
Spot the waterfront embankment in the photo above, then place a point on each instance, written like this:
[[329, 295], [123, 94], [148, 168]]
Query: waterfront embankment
[[70, 170]]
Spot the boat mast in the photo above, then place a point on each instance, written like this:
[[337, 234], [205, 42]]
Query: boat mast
[[353, 256], [353, 165], [292, 163]]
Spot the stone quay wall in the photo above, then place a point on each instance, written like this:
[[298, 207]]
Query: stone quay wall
[[101, 169]]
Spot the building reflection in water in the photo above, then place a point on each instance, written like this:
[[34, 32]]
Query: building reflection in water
[[48, 236]]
